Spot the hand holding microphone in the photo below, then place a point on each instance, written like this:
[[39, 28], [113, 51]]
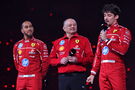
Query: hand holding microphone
[[103, 32], [103, 35], [71, 58]]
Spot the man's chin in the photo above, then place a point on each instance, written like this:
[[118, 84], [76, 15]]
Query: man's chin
[[30, 36], [72, 33]]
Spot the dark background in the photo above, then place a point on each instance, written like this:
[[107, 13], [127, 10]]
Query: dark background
[[47, 17]]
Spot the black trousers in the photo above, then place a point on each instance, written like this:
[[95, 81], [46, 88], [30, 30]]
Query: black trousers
[[72, 81]]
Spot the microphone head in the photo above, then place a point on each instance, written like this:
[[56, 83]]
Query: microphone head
[[72, 52], [103, 26]]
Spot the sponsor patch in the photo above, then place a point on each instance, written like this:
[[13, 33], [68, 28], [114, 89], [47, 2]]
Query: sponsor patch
[[61, 48], [19, 52], [62, 42], [33, 44], [25, 62], [20, 45], [127, 32], [77, 41], [105, 50], [32, 52], [77, 47], [115, 30]]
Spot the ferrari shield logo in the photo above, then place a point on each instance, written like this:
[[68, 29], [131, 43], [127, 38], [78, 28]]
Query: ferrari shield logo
[[115, 30], [77, 41], [33, 44]]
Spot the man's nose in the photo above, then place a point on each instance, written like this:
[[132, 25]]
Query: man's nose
[[105, 18], [29, 28]]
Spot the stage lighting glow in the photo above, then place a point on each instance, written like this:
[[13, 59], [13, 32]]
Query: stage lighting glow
[[90, 87], [128, 69], [13, 86], [11, 40], [5, 86], [51, 14], [8, 68], [7, 43], [93, 46]]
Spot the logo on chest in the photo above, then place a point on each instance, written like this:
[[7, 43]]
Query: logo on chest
[[32, 52], [19, 52], [33, 44], [62, 42], [61, 48], [25, 62], [105, 50], [77, 41], [115, 30], [20, 45]]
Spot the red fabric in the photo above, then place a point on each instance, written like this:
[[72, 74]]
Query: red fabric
[[61, 49], [117, 45], [29, 83], [30, 57], [112, 76]]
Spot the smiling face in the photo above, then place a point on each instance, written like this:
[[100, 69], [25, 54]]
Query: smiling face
[[27, 29], [70, 26], [110, 18]]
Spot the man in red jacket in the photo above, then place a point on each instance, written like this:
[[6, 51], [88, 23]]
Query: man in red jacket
[[30, 58], [112, 44], [70, 54]]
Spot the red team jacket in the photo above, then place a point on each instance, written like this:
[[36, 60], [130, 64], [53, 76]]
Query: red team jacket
[[117, 45], [30, 56], [61, 48]]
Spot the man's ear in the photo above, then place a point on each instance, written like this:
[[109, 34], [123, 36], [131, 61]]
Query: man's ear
[[63, 28], [117, 17]]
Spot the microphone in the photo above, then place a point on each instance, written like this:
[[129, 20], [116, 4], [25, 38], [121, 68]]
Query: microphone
[[103, 27], [72, 52]]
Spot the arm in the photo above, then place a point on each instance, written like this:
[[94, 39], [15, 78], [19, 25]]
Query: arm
[[97, 59], [96, 63], [121, 45], [15, 56], [44, 58], [54, 61]]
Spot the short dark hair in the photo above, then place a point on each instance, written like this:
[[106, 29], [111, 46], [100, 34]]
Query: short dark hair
[[111, 8]]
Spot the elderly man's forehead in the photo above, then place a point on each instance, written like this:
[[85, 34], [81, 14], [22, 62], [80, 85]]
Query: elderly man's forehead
[[27, 23], [69, 21]]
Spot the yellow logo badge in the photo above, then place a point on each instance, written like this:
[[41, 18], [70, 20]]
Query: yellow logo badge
[[115, 30], [20, 52], [33, 44], [77, 41], [61, 48]]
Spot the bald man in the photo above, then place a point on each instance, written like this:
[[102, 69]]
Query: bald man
[[30, 59], [71, 54]]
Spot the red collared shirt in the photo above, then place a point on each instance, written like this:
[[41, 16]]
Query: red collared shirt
[[61, 48]]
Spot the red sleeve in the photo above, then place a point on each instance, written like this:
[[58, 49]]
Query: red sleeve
[[54, 60], [15, 56], [121, 46], [97, 59], [87, 54], [44, 58]]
